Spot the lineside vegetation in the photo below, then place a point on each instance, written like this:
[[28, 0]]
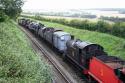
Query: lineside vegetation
[[18, 62]]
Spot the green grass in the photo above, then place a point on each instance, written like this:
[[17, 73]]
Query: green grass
[[18, 62], [113, 45]]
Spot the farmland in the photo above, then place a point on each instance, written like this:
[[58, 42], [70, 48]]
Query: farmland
[[72, 18]]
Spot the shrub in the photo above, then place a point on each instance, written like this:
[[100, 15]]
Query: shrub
[[119, 29], [102, 26], [3, 17]]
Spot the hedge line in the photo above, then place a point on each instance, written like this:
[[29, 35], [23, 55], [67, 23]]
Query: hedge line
[[116, 29], [113, 19]]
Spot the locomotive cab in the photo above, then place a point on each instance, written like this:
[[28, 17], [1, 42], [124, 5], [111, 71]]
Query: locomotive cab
[[89, 50], [81, 52]]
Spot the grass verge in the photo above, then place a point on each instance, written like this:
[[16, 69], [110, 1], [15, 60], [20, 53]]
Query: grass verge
[[18, 62]]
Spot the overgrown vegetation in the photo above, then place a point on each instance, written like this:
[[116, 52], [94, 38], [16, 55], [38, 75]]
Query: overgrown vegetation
[[3, 16], [18, 62], [116, 29], [11, 8], [113, 45]]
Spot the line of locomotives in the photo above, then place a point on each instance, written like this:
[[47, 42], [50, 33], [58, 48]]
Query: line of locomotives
[[91, 58]]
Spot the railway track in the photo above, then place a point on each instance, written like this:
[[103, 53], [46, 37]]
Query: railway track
[[61, 70]]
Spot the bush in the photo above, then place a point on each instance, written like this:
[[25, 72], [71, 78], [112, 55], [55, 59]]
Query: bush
[[75, 23], [102, 26], [3, 17], [119, 29]]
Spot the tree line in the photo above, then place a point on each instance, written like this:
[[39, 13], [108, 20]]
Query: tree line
[[113, 19], [10, 9]]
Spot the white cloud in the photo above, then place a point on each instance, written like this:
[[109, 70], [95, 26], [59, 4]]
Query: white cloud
[[73, 4]]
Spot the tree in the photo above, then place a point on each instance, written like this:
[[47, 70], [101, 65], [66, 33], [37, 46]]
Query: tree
[[12, 8]]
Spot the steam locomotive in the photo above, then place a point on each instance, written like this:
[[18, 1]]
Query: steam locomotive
[[88, 57]]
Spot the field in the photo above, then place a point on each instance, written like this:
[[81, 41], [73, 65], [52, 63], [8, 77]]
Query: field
[[113, 45], [18, 62], [72, 18], [106, 13]]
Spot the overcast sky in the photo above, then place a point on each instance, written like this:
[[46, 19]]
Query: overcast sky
[[73, 4]]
